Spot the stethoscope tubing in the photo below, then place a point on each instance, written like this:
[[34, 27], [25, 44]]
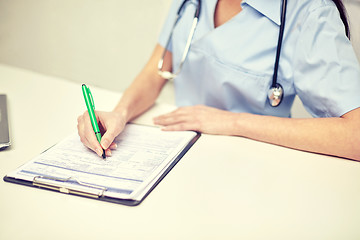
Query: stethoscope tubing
[[276, 91], [280, 40]]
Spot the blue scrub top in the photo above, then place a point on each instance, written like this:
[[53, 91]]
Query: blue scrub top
[[230, 67]]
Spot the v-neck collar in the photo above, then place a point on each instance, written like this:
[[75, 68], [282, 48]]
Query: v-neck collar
[[269, 8], [211, 7]]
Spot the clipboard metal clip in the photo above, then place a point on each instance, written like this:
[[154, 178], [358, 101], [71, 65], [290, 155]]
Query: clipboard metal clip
[[70, 185]]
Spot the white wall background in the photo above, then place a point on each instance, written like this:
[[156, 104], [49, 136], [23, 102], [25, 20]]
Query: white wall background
[[353, 9], [99, 42]]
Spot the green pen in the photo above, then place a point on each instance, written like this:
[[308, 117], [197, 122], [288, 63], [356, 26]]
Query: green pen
[[91, 109]]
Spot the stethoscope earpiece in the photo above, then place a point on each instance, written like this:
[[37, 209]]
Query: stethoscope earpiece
[[275, 95]]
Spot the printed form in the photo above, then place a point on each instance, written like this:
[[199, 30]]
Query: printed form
[[142, 155]]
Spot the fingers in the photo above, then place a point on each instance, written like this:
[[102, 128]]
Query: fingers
[[178, 120], [110, 122], [198, 118], [114, 125], [166, 120], [108, 152], [181, 127], [174, 117], [87, 135]]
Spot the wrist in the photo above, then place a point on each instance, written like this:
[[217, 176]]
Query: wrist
[[123, 112], [241, 124]]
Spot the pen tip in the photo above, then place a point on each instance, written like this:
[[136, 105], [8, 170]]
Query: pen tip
[[103, 155]]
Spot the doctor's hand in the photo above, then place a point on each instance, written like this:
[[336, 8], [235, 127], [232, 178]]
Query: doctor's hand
[[198, 118], [111, 125]]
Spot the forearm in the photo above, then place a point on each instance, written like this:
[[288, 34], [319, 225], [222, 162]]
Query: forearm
[[140, 96], [144, 90], [332, 136]]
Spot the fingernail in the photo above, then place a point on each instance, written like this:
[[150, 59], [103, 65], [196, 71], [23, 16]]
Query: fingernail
[[105, 144], [108, 153], [99, 152]]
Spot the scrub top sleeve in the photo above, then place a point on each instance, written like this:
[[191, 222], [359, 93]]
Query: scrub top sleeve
[[169, 23], [326, 70]]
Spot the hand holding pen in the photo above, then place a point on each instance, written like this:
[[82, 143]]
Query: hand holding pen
[[110, 122], [89, 101]]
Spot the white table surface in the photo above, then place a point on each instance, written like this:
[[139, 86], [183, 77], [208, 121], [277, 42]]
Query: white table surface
[[223, 188]]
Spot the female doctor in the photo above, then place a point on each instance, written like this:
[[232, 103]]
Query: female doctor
[[224, 79]]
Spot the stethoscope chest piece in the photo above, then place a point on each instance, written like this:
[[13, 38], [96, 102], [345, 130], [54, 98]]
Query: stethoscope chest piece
[[275, 95]]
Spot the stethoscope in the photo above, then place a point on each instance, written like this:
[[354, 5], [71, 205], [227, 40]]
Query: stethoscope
[[276, 91]]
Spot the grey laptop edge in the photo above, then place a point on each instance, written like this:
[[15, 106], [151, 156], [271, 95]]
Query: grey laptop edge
[[4, 124]]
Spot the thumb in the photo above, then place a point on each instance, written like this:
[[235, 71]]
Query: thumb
[[109, 137]]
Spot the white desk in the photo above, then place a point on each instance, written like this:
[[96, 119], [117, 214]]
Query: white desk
[[223, 188]]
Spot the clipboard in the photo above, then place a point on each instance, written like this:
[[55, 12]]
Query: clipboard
[[78, 187]]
